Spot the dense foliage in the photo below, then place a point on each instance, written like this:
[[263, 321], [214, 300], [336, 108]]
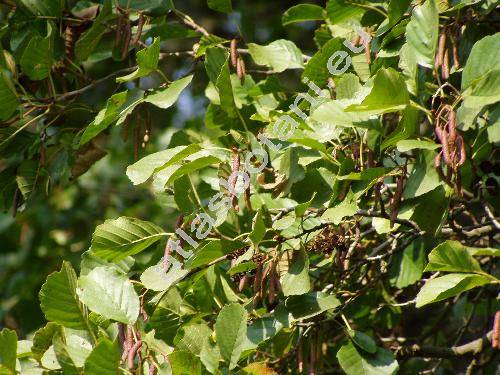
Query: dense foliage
[[249, 187]]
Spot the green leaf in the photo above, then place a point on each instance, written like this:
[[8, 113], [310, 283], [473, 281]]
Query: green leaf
[[184, 362], [389, 94], [212, 250], [104, 358], [422, 33], [143, 169], [118, 107], [354, 363], [147, 61], [279, 55], [191, 163], [109, 293], [303, 12], [42, 340], [484, 58], [423, 177], [63, 356], [396, 10], [59, 301], [261, 330], [311, 304], [347, 208], [412, 144], [26, 177], [24, 348], [89, 40], [448, 286], [36, 60], [406, 128], [47, 8], [165, 98], [217, 67], [8, 96], [8, 350], [333, 113], [409, 265], [195, 337], [486, 251], [452, 256], [342, 11], [118, 238], [208, 41], [296, 280], [153, 7], [90, 261], [409, 68], [258, 228], [159, 279], [363, 341], [166, 323], [431, 210], [220, 5], [231, 331]]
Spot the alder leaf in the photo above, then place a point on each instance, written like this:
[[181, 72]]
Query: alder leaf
[[59, 300], [116, 239], [109, 293], [231, 330]]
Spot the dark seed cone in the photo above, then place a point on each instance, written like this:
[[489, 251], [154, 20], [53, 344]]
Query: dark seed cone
[[327, 241], [259, 258], [237, 253]]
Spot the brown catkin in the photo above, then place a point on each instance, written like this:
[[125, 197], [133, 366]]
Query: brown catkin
[[243, 283], [300, 358], [241, 70], [234, 53], [312, 356], [126, 40], [140, 25], [257, 280], [441, 47], [495, 340], [445, 72], [128, 343], [132, 354], [454, 48]]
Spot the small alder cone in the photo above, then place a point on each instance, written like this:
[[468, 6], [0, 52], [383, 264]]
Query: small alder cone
[[259, 258], [237, 253], [495, 340], [327, 241]]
